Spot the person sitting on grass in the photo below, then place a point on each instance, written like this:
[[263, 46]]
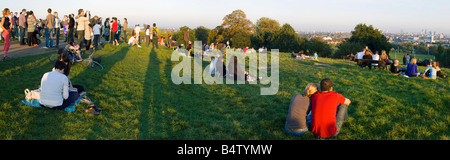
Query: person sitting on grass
[[133, 41], [55, 89], [73, 49], [430, 72], [368, 56], [328, 111], [78, 88], [238, 73], [299, 108], [395, 69], [412, 70], [439, 72]]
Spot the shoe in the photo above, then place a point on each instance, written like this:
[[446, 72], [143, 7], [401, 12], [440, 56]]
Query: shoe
[[92, 110], [35, 45], [78, 60], [139, 46], [45, 47], [95, 107]]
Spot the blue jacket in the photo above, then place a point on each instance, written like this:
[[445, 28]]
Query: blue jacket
[[412, 69]]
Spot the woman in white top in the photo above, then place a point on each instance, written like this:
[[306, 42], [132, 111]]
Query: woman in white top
[[57, 28], [55, 89]]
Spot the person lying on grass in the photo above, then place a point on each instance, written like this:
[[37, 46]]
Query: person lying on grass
[[297, 121], [328, 111]]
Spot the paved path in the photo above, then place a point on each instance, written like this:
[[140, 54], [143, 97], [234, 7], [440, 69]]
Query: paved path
[[16, 50]]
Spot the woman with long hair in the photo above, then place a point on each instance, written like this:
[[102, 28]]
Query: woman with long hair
[[5, 24]]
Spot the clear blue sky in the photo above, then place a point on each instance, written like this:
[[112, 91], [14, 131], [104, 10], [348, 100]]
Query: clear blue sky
[[303, 15]]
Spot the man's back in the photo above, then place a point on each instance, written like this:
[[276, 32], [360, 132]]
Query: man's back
[[54, 89], [323, 113]]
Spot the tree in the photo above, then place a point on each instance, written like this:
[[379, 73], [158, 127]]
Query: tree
[[202, 34], [345, 48], [234, 23], [371, 37], [285, 39], [265, 24]]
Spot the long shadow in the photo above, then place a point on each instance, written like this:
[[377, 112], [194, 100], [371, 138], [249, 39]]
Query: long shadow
[[149, 101]]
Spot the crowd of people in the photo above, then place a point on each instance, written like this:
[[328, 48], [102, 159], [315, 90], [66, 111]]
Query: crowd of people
[[304, 56], [87, 29]]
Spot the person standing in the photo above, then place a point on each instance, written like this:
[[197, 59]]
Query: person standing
[[114, 30], [49, 26], [22, 26], [6, 26], [97, 27], [87, 30], [71, 27], [32, 32], [81, 19], [125, 27], [65, 22], [147, 35], [154, 33], [186, 38], [328, 111], [15, 26], [57, 28], [107, 30]]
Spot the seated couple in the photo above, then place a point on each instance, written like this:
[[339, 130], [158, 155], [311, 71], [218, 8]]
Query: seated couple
[[327, 109], [57, 92]]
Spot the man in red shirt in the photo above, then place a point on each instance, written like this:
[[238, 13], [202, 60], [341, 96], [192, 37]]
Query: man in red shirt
[[328, 111]]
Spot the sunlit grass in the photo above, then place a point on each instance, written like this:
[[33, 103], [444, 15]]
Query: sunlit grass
[[139, 101]]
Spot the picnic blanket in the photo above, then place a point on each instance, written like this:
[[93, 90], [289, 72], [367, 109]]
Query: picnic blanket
[[35, 103]]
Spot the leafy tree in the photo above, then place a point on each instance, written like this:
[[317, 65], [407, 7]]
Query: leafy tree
[[265, 24], [371, 37], [236, 23], [285, 39], [346, 48], [202, 34]]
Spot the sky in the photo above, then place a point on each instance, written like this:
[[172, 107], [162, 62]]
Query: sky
[[302, 15]]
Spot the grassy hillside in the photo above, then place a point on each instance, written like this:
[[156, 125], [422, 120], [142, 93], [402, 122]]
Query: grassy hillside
[[139, 101]]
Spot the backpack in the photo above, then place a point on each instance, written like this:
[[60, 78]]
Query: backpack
[[154, 32]]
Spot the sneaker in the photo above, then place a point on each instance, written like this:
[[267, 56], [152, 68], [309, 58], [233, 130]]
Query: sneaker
[[139, 46], [78, 60], [95, 107], [92, 110], [45, 47]]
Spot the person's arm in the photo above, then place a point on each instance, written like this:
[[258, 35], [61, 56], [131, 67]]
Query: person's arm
[[1, 24], [65, 88], [347, 101]]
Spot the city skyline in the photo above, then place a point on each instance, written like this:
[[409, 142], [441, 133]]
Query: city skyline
[[320, 16]]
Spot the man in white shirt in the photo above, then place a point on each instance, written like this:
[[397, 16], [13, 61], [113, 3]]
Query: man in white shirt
[[55, 89], [375, 57]]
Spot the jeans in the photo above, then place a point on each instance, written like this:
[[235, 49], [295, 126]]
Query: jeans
[[341, 116], [58, 34], [22, 33], [48, 37], [125, 35], [70, 35], [73, 96], [303, 131]]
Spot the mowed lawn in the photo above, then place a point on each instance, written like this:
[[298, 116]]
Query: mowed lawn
[[139, 101]]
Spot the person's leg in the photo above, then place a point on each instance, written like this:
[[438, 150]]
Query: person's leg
[[341, 116], [73, 96], [58, 34], [47, 41], [125, 35]]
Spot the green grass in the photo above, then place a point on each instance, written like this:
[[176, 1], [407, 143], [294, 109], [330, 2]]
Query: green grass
[[139, 101]]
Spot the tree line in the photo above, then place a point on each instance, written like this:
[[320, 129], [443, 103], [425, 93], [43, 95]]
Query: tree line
[[240, 32]]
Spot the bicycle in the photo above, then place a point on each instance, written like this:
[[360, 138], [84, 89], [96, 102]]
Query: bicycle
[[91, 63], [87, 62]]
